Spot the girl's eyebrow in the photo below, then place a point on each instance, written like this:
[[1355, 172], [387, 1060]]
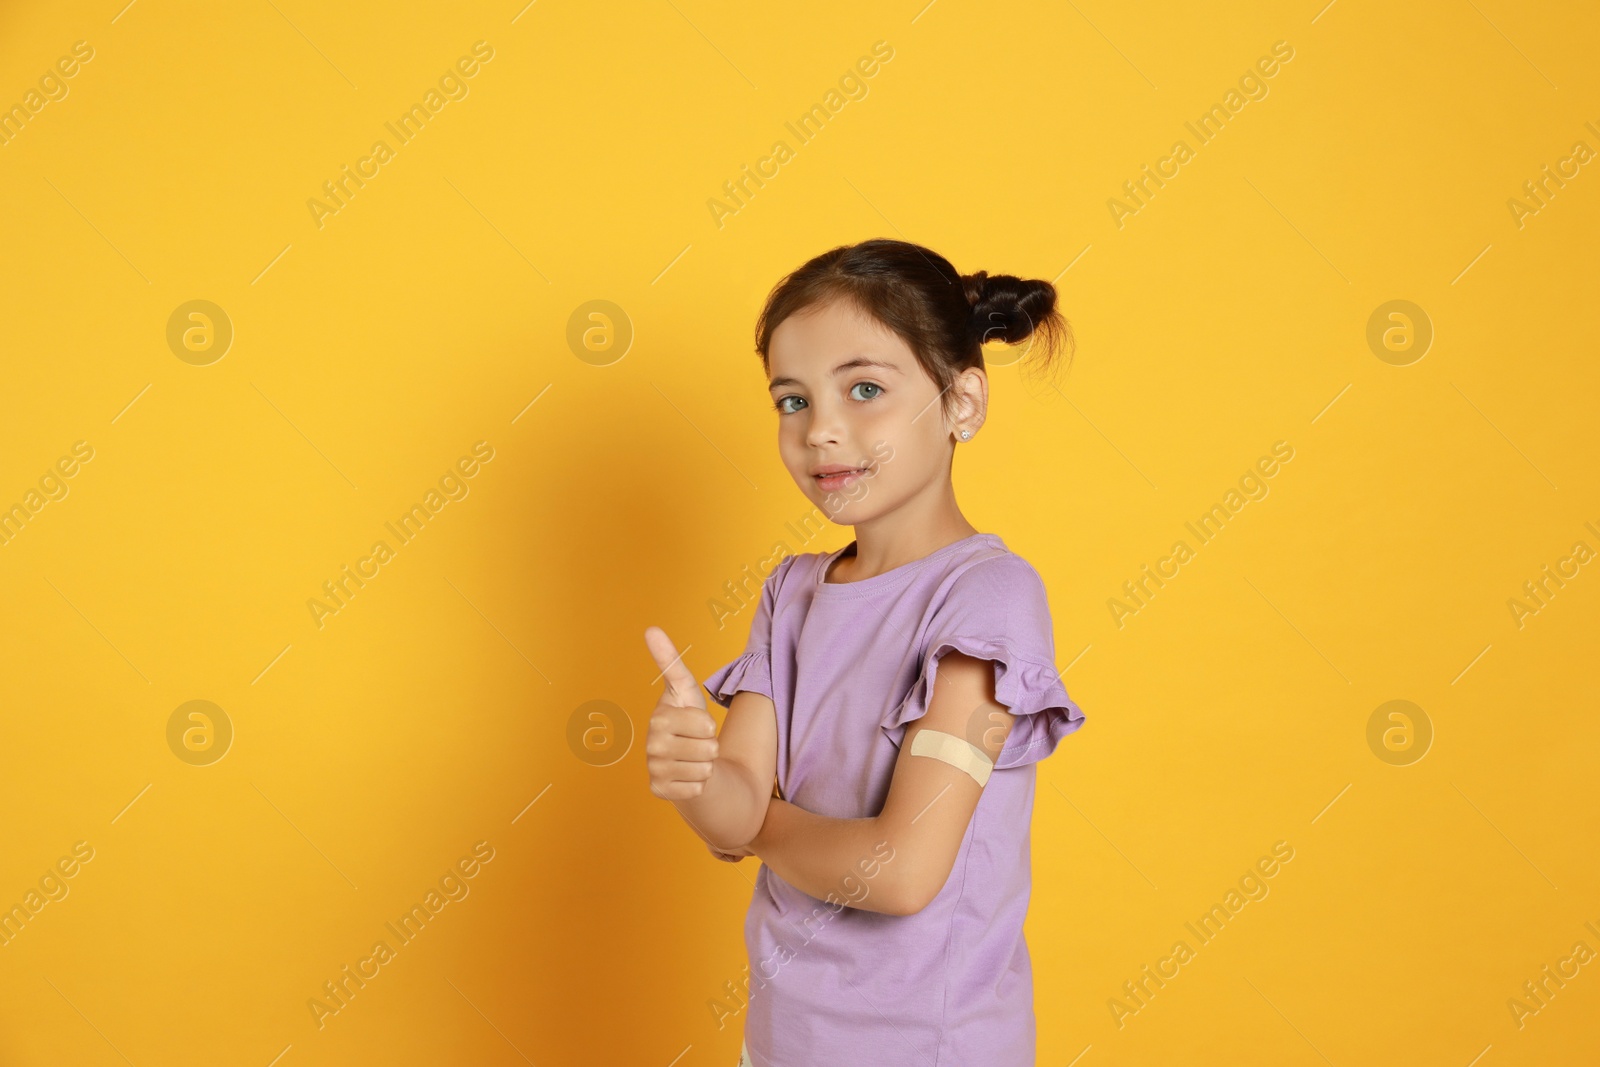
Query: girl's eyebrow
[[859, 361]]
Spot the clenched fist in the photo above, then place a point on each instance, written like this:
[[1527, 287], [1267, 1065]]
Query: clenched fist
[[681, 744]]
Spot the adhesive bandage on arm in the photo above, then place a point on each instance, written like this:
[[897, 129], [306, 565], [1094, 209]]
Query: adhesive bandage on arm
[[960, 754]]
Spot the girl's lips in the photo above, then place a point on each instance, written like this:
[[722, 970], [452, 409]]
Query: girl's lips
[[838, 480]]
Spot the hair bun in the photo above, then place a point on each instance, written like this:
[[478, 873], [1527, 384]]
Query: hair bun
[[973, 285], [1007, 308]]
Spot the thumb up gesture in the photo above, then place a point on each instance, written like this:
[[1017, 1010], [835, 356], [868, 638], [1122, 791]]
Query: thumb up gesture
[[681, 744]]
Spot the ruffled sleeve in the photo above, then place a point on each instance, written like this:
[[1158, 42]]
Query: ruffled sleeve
[[752, 668], [997, 610]]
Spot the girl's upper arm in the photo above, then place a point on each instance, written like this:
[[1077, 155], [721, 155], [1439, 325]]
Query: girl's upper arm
[[930, 802], [749, 740], [749, 735]]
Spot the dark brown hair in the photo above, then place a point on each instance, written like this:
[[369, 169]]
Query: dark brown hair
[[944, 317]]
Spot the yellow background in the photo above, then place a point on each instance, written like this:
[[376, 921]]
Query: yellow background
[[369, 354]]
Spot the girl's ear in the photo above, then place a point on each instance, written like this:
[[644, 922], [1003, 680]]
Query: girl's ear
[[970, 391]]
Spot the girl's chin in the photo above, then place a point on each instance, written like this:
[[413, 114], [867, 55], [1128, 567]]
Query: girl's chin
[[831, 506], [840, 510]]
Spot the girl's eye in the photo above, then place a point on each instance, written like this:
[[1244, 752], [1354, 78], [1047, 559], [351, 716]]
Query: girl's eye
[[779, 407]]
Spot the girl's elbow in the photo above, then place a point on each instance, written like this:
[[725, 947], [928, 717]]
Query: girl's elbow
[[903, 907], [915, 892]]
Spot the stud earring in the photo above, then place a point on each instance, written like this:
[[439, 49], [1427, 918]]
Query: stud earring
[[965, 434]]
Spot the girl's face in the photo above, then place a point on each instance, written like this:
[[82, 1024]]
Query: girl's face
[[860, 423]]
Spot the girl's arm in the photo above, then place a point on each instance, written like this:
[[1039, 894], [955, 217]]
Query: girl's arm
[[720, 785], [896, 862], [733, 802]]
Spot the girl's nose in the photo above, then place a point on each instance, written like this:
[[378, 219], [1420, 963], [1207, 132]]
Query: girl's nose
[[824, 428]]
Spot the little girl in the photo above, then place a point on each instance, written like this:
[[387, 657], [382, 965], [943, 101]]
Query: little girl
[[894, 694]]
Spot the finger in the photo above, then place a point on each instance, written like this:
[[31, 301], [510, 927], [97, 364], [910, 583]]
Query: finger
[[678, 790], [670, 720], [674, 746], [671, 770], [681, 686]]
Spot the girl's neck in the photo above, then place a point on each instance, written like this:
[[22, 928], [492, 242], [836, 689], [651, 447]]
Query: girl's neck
[[901, 537]]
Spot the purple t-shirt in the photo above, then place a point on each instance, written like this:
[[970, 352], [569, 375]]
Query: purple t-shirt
[[847, 665]]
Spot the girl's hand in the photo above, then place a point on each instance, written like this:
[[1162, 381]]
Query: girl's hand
[[681, 744]]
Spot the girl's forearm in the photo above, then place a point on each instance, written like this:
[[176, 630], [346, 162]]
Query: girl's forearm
[[729, 810], [838, 860]]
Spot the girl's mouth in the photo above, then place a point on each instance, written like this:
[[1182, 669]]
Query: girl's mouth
[[838, 479]]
